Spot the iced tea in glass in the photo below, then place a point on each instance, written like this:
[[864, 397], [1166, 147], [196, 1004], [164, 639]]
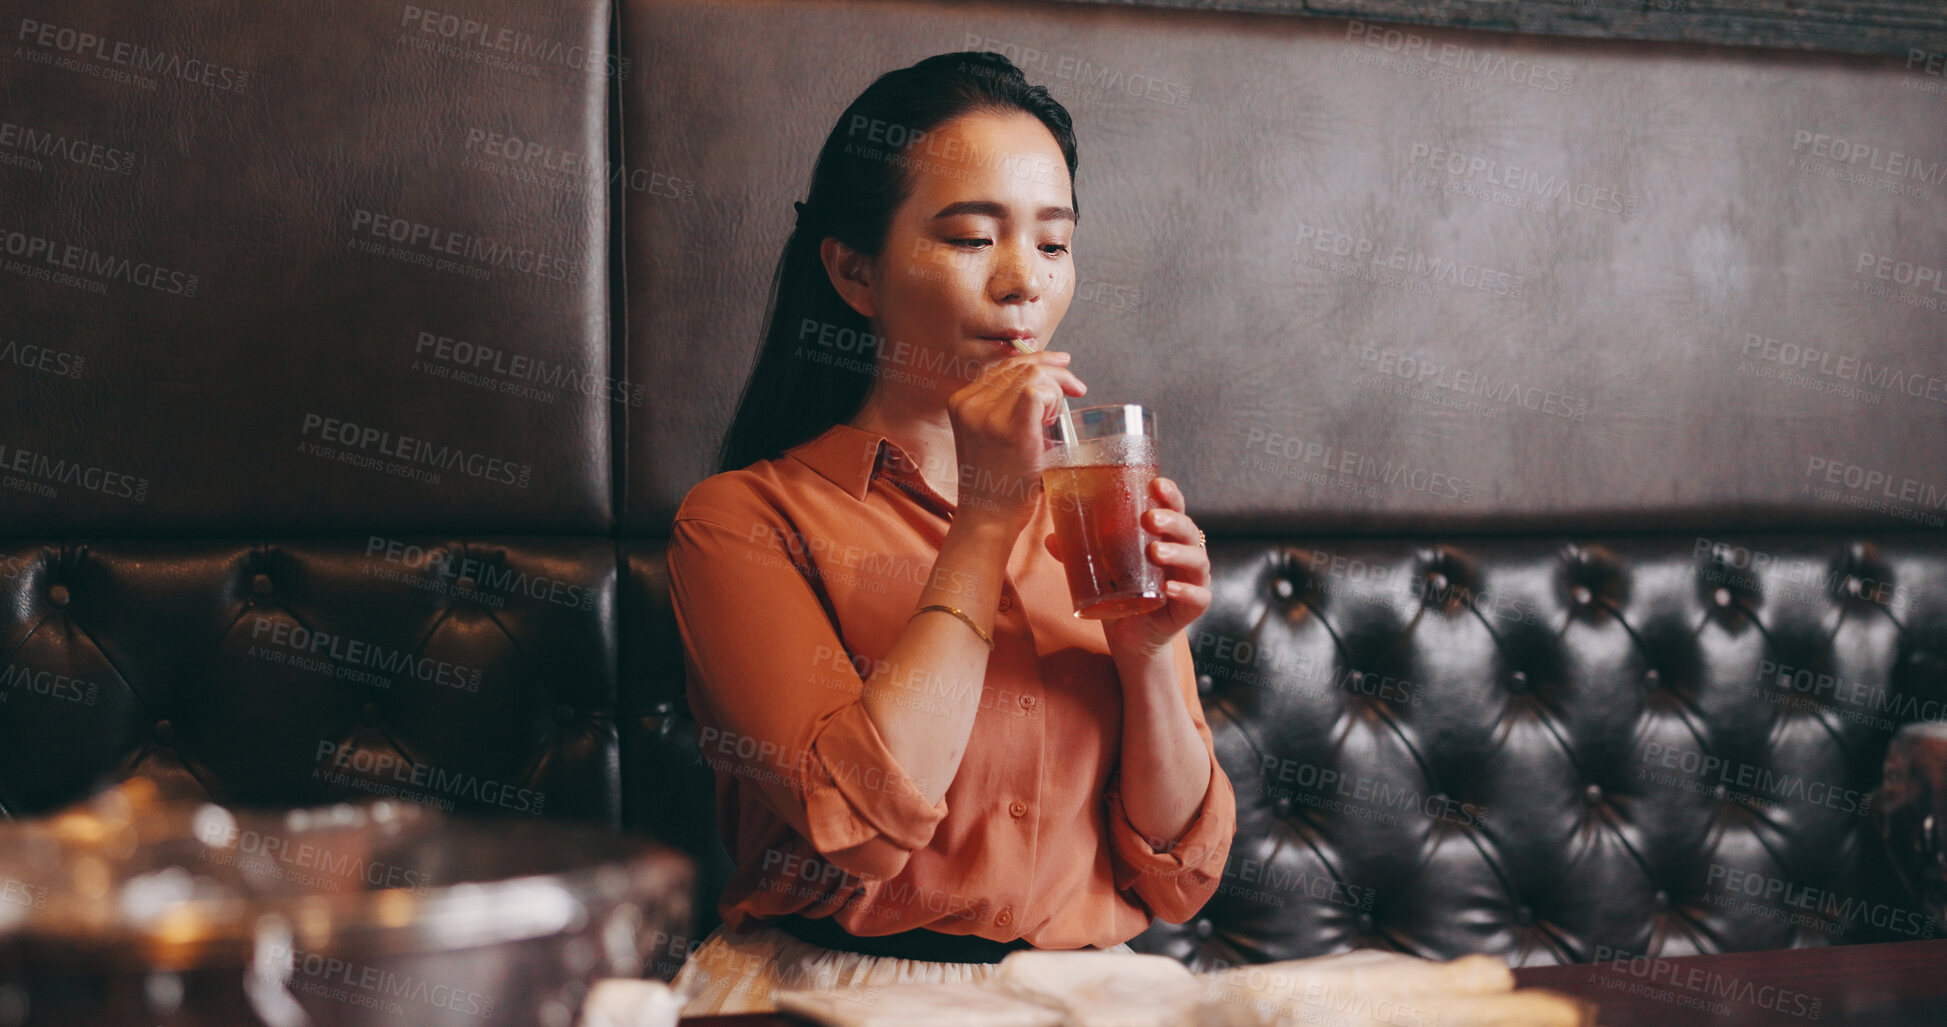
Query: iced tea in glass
[[1096, 474]]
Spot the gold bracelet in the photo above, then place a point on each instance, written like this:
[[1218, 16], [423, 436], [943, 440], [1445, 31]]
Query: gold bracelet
[[954, 610]]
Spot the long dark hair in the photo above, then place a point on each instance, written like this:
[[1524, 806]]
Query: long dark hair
[[855, 189]]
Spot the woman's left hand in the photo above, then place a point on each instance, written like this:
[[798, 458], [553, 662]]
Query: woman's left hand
[[1186, 572]]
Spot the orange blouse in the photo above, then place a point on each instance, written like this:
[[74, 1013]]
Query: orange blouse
[[790, 578]]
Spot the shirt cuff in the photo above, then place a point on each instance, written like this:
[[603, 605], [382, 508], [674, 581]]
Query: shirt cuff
[[857, 792], [1204, 842]]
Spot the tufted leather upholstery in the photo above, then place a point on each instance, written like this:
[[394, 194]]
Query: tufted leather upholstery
[[474, 675], [1441, 748], [1497, 745]]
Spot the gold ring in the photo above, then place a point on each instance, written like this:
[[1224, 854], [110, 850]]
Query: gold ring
[[1201, 538]]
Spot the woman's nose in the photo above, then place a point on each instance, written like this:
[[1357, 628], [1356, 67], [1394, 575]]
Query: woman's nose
[[1013, 277]]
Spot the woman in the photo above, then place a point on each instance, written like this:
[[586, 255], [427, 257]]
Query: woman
[[924, 760]]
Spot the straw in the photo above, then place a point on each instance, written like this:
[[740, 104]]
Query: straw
[[1067, 429]]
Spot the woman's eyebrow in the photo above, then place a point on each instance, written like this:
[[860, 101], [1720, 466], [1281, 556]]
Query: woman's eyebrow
[[988, 208]]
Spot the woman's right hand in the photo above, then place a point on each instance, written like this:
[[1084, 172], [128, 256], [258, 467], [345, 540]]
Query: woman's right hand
[[998, 421]]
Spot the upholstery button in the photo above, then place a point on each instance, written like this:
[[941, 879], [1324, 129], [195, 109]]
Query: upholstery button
[[1205, 684], [1436, 583], [165, 733], [1661, 901], [1204, 928], [660, 709], [1282, 807], [1652, 677], [1721, 597], [1027, 702], [464, 585], [1006, 603], [1518, 681], [58, 595], [1281, 588], [1853, 586], [1017, 809], [260, 586], [1524, 916], [1357, 678], [1581, 595], [1592, 794], [1004, 917], [1365, 923], [564, 714], [368, 714]]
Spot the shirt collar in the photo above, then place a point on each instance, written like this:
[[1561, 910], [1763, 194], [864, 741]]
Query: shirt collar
[[849, 457]]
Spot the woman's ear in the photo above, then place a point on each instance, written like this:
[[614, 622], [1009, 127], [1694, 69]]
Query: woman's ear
[[851, 274]]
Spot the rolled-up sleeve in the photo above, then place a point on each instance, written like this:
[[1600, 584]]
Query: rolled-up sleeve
[[777, 700], [1174, 884]]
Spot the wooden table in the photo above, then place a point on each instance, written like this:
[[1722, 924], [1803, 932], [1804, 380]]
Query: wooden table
[[1898, 985], [1903, 984]]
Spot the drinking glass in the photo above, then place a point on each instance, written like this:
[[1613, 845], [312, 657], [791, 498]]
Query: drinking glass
[[1096, 473]]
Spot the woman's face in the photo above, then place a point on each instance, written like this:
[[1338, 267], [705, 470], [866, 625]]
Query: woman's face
[[978, 251]]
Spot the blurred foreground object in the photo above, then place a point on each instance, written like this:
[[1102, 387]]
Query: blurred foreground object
[[1912, 812], [132, 908]]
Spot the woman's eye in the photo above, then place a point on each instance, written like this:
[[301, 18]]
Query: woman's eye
[[1056, 248], [965, 242]]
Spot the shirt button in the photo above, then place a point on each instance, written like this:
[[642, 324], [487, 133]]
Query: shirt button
[[1017, 809], [1027, 702], [1006, 603], [1004, 917]]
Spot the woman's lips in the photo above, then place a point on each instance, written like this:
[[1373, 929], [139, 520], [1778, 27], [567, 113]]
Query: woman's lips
[[1008, 344]]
